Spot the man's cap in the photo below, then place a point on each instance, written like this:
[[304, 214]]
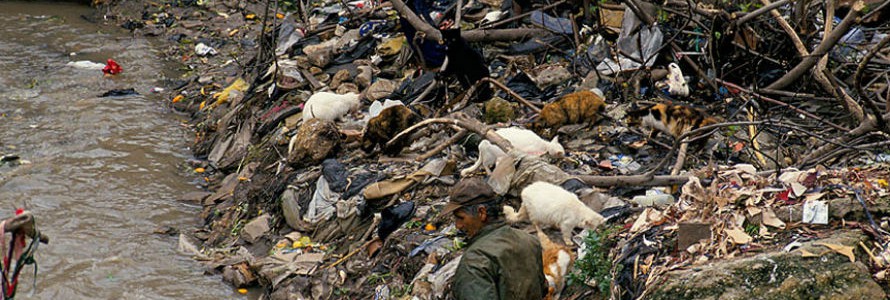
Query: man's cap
[[468, 192]]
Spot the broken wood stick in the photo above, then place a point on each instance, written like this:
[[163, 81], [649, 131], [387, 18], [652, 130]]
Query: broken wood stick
[[766, 8], [783, 104], [681, 159], [857, 81], [523, 15], [472, 91], [478, 35], [488, 133], [439, 148], [827, 43]]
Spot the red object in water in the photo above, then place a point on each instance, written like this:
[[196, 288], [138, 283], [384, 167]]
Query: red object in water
[[112, 68], [19, 211]]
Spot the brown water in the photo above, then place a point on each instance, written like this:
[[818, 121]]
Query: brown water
[[104, 172]]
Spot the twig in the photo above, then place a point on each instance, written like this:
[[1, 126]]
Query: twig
[[871, 255], [777, 102], [681, 159], [876, 10], [801, 49], [754, 143], [827, 43], [857, 81], [460, 134], [760, 11], [457, 12], [352, 253], [486, 132], [478, 35], [526, 14], [472, 91], [868, 214], [512, 93]]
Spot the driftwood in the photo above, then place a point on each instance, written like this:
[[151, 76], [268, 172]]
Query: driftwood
[[24, 223], [478, 35], [460, 120]]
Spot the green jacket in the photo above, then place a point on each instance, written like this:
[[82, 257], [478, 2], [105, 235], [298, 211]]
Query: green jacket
[[501, 262]]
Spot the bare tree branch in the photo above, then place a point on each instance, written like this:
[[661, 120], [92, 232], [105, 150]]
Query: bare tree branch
[[827, 43], [478, 35]]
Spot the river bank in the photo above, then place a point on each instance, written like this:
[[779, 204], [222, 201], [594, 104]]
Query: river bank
[[298, 208]]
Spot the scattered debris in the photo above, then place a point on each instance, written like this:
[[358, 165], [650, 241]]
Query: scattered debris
[[786, 151]]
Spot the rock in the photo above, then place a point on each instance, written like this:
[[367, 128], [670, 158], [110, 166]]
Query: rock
[[194, 197], [348, 87], [188, 245], [549, 75], [339, 78], [498, 110], [777, 275], [239, 275], [379, 90], [225, 190], [838, 209], [364, 77], [256, 228], [315, 140], [290, 208], [320, 54], [691, 233]]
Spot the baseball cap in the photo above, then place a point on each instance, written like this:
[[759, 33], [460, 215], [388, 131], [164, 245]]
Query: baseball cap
[[468, 192]]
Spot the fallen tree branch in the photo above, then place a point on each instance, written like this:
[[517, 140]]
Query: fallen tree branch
[[478, 35], [820, 77], [460, 134], [801, 49], [827, 43], [783, 104], [633, 180], [681, 159], [766, 8], [865, 127], [472, 91], [857, 81], [526, 14], [462, 121]]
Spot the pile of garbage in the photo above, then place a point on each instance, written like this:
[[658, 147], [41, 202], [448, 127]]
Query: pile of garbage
[[328, 133]]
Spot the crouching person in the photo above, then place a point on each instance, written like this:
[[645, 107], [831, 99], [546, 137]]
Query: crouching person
[[500, 262]]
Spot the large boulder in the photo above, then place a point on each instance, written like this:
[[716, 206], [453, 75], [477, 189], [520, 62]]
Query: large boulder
[[779, 275]]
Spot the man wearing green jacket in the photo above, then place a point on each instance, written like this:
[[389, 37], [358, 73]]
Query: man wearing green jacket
[[500, 262]]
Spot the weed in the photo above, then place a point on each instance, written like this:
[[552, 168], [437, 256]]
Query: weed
[[596, 264], [413, 224], [401, 290], [376, 278]]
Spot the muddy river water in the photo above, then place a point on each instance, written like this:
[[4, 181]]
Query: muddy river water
[[103, 172]]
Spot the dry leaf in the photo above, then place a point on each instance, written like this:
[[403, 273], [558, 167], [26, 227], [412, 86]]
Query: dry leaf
[[806, 254], [738, 236], [845, 250], [770, 219], [814, 196], [798, 189]]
